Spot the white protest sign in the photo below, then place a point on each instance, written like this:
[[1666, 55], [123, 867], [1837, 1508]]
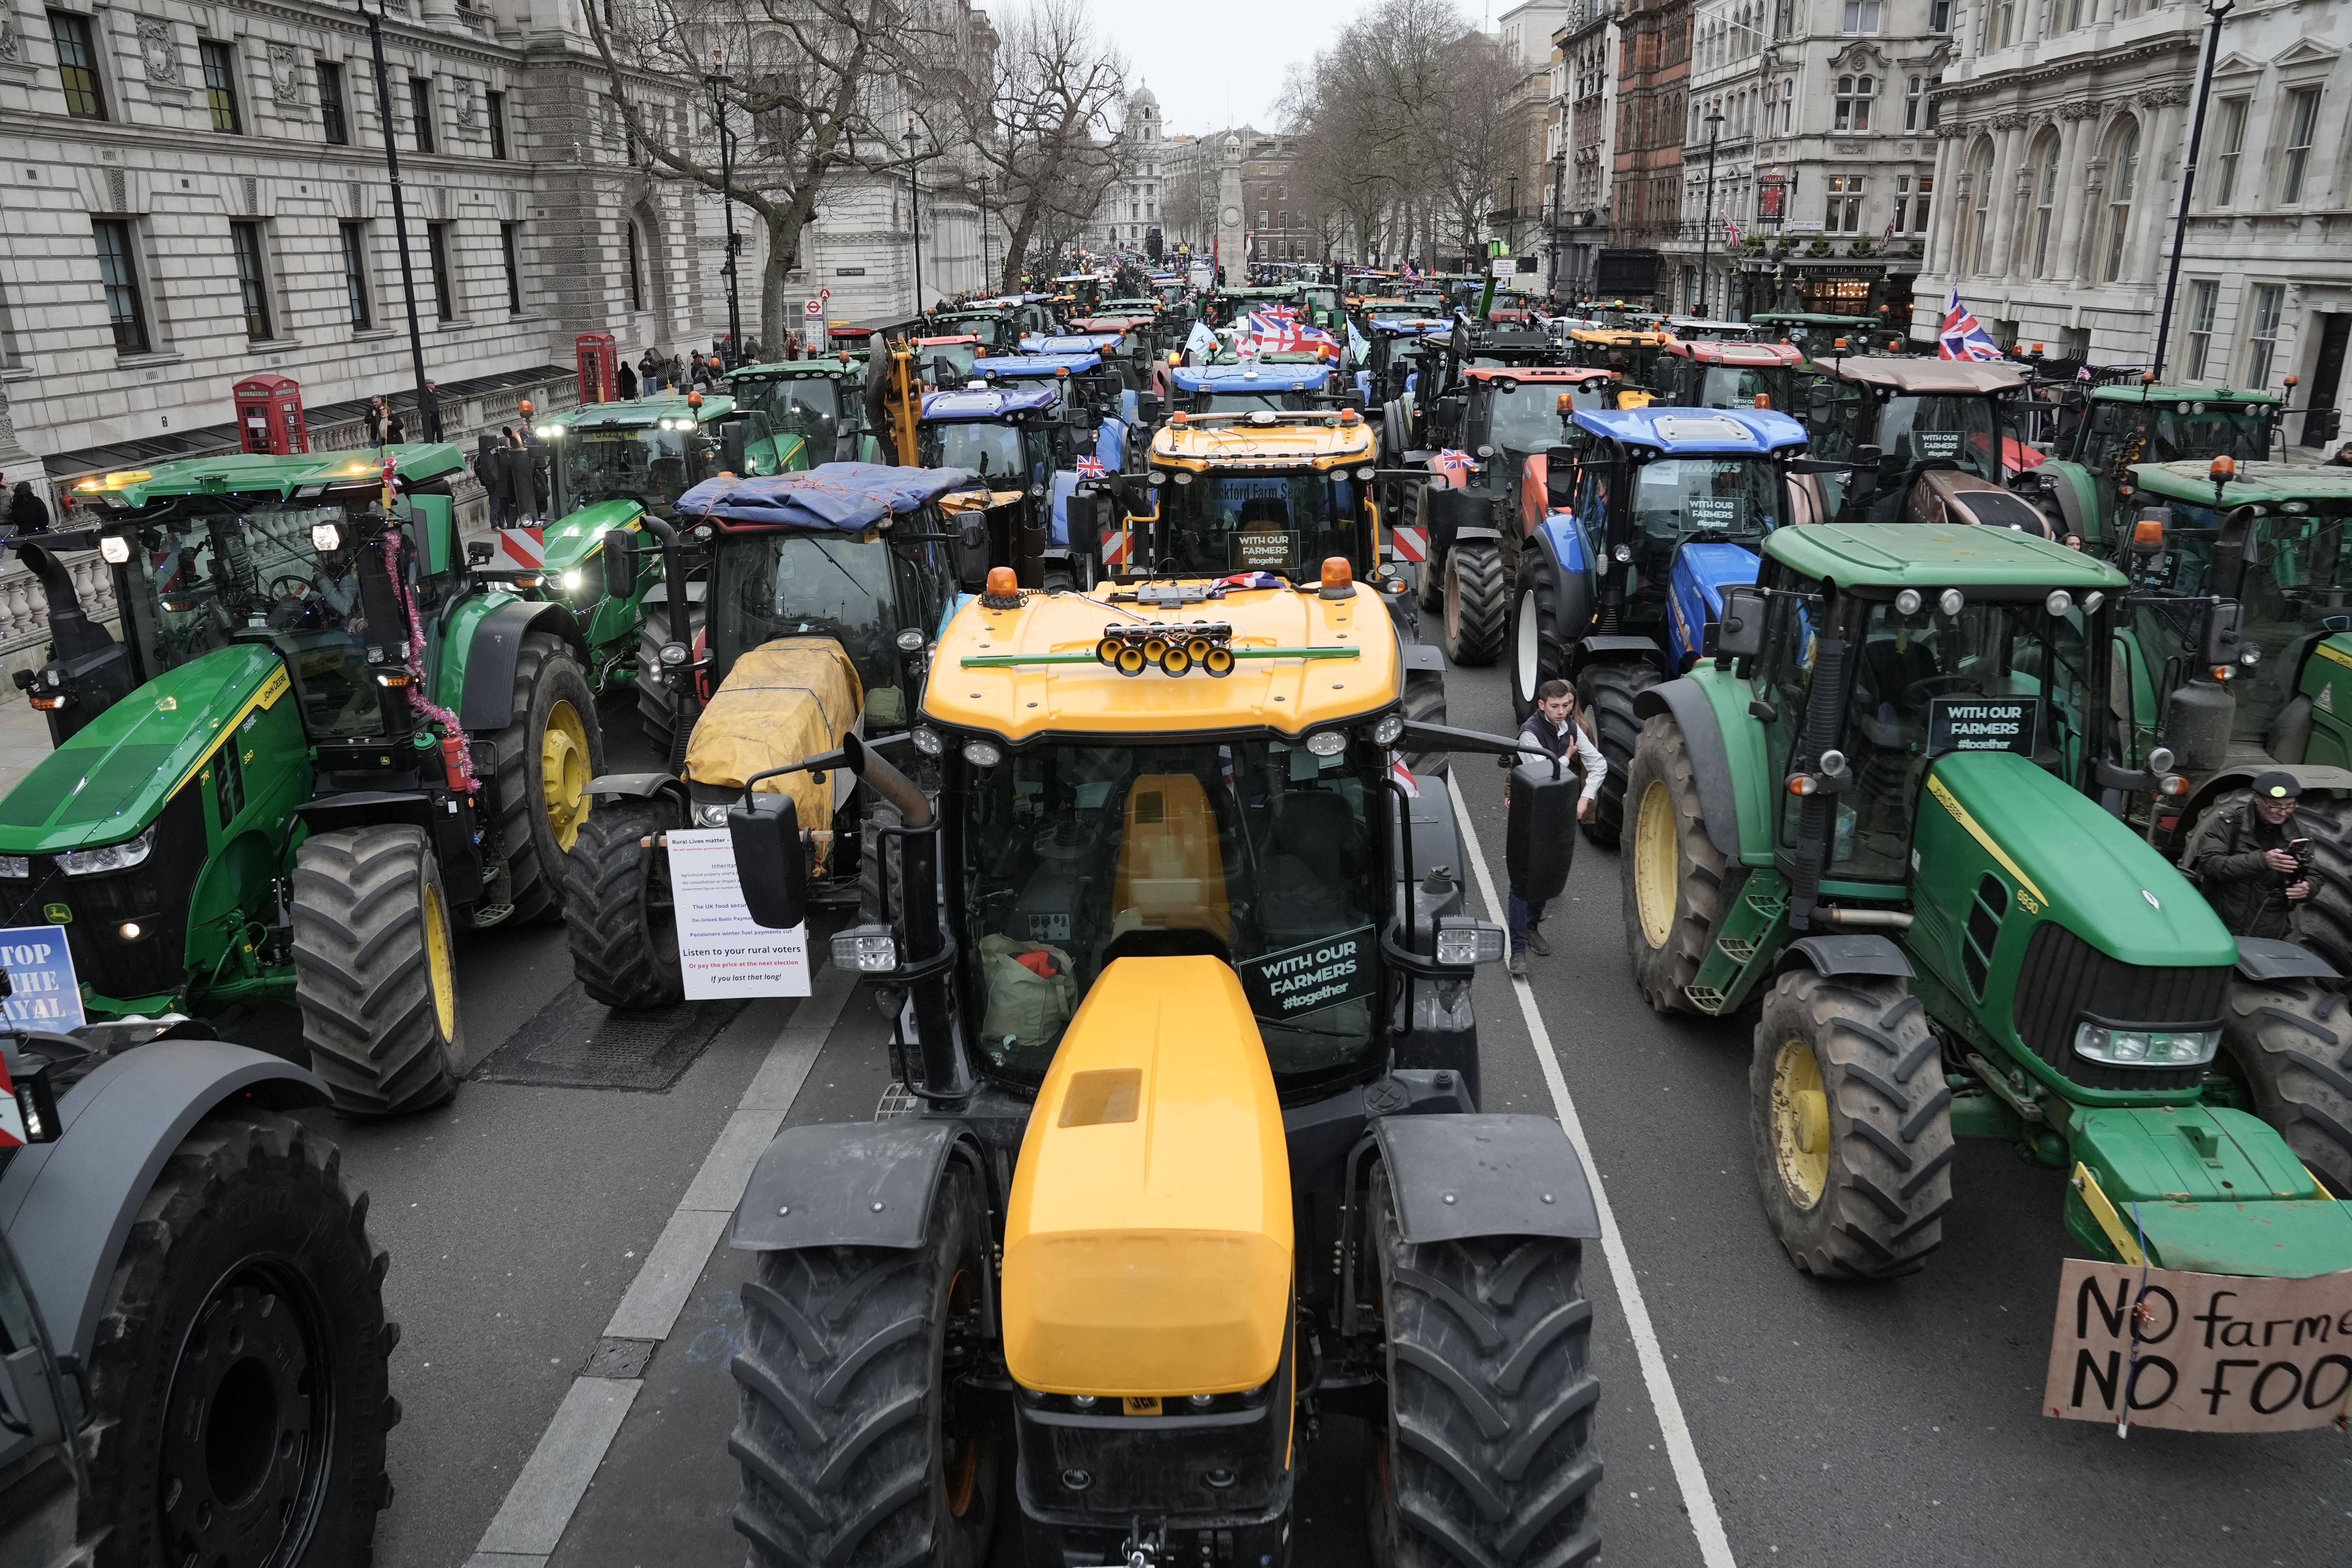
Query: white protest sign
[[43, 993], [721, 951]]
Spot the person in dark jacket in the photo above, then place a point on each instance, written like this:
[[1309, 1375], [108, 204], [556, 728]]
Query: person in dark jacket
[[376, 415], [625, 378], [431, 423], [1556, 728], [2248, 863], [27, 512], [486, 448]]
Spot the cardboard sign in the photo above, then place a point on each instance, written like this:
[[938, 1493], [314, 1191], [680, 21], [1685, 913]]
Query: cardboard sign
[[721, 951], [2202, 1352], [45, 994], [1983, 724], [1309, 977]]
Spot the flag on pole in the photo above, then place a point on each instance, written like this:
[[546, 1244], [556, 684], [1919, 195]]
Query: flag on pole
[[1964, 336], [1730, 231], [2083, 373], [1091, 468]]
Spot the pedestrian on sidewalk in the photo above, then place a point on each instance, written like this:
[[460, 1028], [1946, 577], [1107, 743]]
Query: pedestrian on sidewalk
[[27, 512], [431, 421], [1558, 730], [649, 373], [375, 418], [2343, 458], [487, 447], [395, 429], [625, 378]]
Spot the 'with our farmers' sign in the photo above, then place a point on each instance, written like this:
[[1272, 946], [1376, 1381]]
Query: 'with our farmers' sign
[[2206, 1352], [1983, 724], [1309, 977]]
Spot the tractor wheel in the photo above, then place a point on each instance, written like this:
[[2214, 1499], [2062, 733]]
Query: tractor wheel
[[1474, 608], [2292, 1039], [1670, 871], [1852, 1122], [858, 1449], [618, 917], [2324, 923], [1537, 653], [1607, 692], [1489, 1457], [372, 972], [238, 1379], [546, 758], [1424, 703], [656, 711]]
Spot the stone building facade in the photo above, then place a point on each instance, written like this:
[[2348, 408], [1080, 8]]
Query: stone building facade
[[1653, 99], [1584, 141], [2064, 137]]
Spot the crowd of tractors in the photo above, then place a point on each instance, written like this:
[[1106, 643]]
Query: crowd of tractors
[[1059, 659]]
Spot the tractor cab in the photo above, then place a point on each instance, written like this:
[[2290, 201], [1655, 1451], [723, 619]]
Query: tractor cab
[[1813, 333], [1921, 440], [1632, 354], [1241, 389], [2116, 426], [817, 400], [1082, 292], [1400, 346], [1263, 491], [947, 361], [1014, 438], [1698, 329], [1228, 307], [1730, 374]]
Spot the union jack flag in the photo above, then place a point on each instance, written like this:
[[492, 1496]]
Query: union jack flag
[[1280, 331], [1730, 231], [1452, 467], [2083, 373], [1091, 468], [1964, 336]]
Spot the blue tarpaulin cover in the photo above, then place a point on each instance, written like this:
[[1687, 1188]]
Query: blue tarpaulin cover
[[843, 498]]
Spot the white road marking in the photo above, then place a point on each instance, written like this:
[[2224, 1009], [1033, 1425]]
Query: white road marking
[[1698, 1498], [538, 1506]]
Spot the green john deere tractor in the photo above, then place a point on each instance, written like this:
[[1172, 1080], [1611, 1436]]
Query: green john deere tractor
[[334, 750], [1871, 810], [822, 401], [2126, 423]]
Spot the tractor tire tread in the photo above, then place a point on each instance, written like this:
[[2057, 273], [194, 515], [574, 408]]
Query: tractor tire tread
[[1474, 633], [616, 955], [544, 667], [2269, 1030], [1665, 974], [363, 979], [1607, 691]]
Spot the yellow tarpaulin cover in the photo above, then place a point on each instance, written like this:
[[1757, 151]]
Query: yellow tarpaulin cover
[[783, 700]]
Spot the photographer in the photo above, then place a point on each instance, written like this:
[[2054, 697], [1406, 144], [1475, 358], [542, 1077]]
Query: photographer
[[2252, 864]]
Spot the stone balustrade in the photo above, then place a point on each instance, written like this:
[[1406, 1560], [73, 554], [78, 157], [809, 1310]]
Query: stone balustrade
[[25, 605]]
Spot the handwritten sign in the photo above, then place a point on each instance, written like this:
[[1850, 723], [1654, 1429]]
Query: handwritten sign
[[1983, 724], [2200, 1352], [44, 992], [1309, 977], [720, 950]]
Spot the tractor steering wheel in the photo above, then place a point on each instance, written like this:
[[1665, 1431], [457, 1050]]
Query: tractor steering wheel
[[1916, 695], [301, 588]]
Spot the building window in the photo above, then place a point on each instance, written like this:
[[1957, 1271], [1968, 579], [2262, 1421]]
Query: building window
[[2045, 203], [1939, 16], [2203, 295], [220, 85], [2125, 172], [1842, 214], [2231, 139], [1788, 104], [1979, 255], [420, 110], [2003, 27], [1864, 16], [508, 250], [2303, 123], [1854, 102], [330, 104], [252, 282], [2262, 345], [636, 273], [436, 246], [1911, 99], [355, 287], [77, 66], [1919, 205], [126, 312], [495, 102], [1902, 206]]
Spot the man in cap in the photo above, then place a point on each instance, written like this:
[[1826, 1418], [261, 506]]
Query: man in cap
[[2247, 859]]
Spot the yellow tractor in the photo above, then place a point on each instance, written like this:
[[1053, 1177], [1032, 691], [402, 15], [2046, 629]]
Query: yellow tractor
[[1196, 1157]]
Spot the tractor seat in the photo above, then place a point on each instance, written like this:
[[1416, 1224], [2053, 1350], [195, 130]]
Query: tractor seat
[[1171, 866]]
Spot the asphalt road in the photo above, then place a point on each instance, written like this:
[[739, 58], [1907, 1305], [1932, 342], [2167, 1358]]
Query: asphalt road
[[1894, 1424]]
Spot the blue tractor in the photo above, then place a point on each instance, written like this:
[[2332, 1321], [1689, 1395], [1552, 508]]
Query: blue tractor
[[1645, 515], [1245, 388]]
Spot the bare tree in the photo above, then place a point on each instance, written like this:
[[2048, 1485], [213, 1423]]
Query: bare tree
[[812, 87], [1041, 122]]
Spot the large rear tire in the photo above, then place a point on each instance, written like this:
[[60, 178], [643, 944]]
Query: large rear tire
[[1488, 1458], [2292, 1039], [546, 758], [2324, 923], [619, 917], [859, 1448], [1424, 703], [1474, 605], [373, 974], [1852, 1123], [1537, 653], [656, 707], [1607, 692], [237, 1380], [1671, 874]]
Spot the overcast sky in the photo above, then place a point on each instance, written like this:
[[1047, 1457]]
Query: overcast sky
[[1215, 63]]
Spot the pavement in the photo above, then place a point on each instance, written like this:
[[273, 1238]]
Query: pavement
[[567, 1317]]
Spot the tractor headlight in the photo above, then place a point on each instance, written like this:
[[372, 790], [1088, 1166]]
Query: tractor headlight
[[1326, 742], [928, 741], [2149, 1048], [909, 641], [326, 538], [1463, 942], [982, 754], [114, 550], [1907, 602], [1391, 726], [2092, 601], [2059, 602], [673, 654], [1623, 553], [547, 431], [712, 813], [1952, 602], [108, 857], [18, 867], [865, 949], [571, 581]]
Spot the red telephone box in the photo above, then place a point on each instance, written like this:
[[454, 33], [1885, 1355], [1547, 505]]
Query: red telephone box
[[269, 415], [597, 355]]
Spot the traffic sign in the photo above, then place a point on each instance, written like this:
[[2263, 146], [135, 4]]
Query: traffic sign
[[824, 293], [811, 308]]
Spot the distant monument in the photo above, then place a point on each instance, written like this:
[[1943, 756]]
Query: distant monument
[[1231, 254]]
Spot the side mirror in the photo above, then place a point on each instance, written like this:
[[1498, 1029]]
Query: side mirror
[[1817, 400], [621, 563], [769, 863], [2222, 638], [970, 549], [733, 437], [1739, 634], [1559, 476], [1540, 837]]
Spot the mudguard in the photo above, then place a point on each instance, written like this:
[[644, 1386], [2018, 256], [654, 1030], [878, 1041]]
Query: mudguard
[[1844, 955], [2076, 491], [1694, 593], [1453, 515], [854, 1184], [1710, 762], [1460, 1176], [489, 673], [639, 786], [2261, 958], [1065, 485], [1558, 537], [69, 1206]]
